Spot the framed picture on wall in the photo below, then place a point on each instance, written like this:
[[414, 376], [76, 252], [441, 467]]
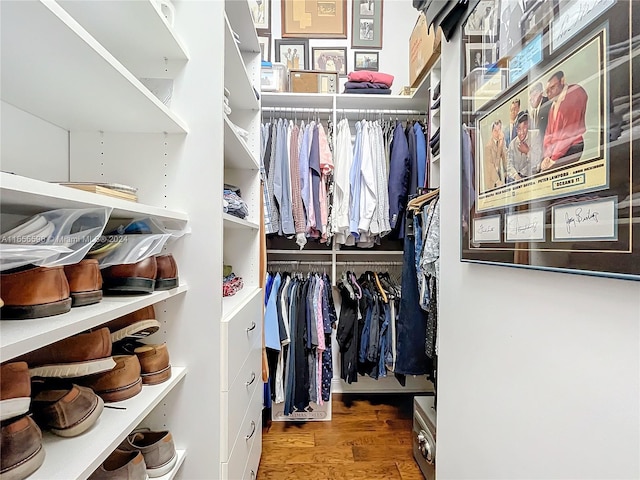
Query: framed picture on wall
[[483, 20], [261, 14], [314, 19], [366, 24], [265, 47], [365, 61], [330, 59], [480, 55], [294, 53]]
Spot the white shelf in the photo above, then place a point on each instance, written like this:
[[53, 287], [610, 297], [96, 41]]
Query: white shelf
[[236, 78], [298, 252], [174, 471], [53, 69], [143, 34], [364, 252], [18, 337], [27, 196], [378, 102], [241, 21], [236, 153], [236, 223], [297, 100], [435, 159], [78, 457], [233, 304]]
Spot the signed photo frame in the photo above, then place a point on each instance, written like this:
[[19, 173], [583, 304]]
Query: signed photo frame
[[314, 18], [550, 180], [366, 24], [480, 55]]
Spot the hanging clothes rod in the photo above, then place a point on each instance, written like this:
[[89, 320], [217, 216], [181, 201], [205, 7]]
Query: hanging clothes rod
[[298, 262], [344, 110], [372, 263]]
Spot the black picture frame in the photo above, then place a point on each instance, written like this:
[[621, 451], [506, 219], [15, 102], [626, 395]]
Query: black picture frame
[[293, 47], [366, 61], [324, 58]]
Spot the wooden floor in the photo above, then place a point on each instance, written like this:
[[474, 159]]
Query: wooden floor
[[369, 437]]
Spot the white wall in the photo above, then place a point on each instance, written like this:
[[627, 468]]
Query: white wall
[[398, 18], [539, 374]]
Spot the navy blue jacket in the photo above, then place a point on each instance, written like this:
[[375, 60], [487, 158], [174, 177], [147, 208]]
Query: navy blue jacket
[[399, 179]]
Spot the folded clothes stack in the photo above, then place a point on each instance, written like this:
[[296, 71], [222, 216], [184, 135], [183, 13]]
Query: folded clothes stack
[[231, 285], [227, 108], [367, 82], [436, 98], [233, 203], [434, 143]]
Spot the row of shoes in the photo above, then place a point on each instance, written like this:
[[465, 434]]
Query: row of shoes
[[36, 292], [62, 387]]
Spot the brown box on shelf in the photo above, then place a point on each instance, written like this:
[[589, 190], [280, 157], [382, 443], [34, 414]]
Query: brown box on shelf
[[313, 81], [424, 50]]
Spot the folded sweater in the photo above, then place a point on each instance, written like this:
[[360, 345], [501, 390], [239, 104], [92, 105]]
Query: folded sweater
[[368, 76], [365, 85], [370, 91]]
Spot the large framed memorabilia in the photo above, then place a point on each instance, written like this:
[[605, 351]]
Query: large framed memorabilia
[[550, 128], [314, 18]]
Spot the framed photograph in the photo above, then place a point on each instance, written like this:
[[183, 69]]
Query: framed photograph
[[261, 14], [330, 59], [294, 53], [314, 18], [365, 61], [366, 24], [552, 180], [483, 20], [480, 55], [265, 47]]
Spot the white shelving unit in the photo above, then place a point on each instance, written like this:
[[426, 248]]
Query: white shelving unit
[[74, 108], [241, 320]]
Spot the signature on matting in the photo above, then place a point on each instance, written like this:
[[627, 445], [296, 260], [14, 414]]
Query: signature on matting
[[482, 228], [590, 216], [515, 227]]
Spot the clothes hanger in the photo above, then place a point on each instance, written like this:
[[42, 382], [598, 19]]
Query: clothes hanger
[[418, 202], [356, 285], [380, 289]]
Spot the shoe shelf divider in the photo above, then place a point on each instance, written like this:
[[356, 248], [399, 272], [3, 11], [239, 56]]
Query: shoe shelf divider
[[159, 42], [27, 196], [237, 154], [18, 337], [242, 96], [103, 96], [68, 458]]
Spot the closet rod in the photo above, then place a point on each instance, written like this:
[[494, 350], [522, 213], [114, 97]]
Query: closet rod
[[372, 263], [344, 110], [298, 262], [297, 110]]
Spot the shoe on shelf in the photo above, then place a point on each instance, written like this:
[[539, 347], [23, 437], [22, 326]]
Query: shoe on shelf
[[66, 409], [75, 356], [153, 358], [85, 282], [167, 276], [34, 292], [15, 390], [119, 384], [21, 446], [128, 279], [121, 465], [157, 448], [138, 324]]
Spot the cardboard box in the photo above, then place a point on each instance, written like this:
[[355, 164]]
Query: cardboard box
[[424, 50]]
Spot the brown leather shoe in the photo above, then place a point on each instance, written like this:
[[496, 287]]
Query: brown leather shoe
[[130, 278], [138, 324], [85, 282], [167, 276], [121, 465], [157, 448], [75, 356], [15, 389], [67, 410], [153, 358], [34, 292], [21, 446], [118, 384]]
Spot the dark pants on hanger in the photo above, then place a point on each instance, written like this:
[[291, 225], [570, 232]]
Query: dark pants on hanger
[[412, 320]]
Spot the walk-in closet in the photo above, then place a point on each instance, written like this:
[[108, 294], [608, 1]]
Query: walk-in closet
[[319, 239]]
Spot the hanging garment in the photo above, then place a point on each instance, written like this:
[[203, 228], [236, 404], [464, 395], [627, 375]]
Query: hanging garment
[[399, 178]]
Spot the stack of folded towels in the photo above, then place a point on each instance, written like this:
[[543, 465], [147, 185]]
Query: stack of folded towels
[[367, 82]]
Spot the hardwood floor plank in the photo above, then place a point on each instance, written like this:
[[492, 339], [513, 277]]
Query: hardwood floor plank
[[297, 439], [363, 437], [386, 470], [372, 453], [282, 455], [409, 470], [294, 472]]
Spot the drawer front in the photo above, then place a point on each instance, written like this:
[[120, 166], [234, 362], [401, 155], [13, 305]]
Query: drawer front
[[239, 335], [236, 402], [250, 434], [251, 471]]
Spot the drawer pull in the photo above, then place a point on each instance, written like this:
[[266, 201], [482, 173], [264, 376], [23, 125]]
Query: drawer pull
[[253, 475], [253, 430], [252, 327], [253, 379]]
